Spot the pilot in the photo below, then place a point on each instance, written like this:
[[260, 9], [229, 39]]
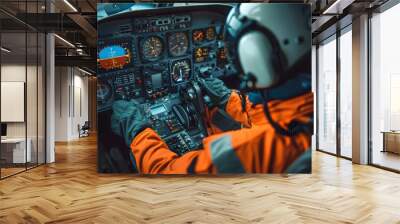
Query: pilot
[[272, 43]]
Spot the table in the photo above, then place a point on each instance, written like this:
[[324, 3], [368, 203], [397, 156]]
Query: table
[[391, 141], [13, 150]]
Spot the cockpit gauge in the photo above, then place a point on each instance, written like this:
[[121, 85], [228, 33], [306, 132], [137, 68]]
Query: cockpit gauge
[[178, 44], [103, 91], [210, 33], [152, 48], [222, 56], [201, 54], [113, 57], [180, 70], [198, 36]]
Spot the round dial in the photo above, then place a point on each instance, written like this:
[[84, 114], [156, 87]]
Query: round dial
[[152, 48], [180, 70], [210, 35], [178, 44], [103, 91]]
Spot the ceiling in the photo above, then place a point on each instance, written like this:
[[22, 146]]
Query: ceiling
[[72, 20], [76, 22]]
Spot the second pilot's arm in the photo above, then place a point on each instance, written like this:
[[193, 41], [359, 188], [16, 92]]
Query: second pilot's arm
[[254, 150], [247, 110], [230, 102]]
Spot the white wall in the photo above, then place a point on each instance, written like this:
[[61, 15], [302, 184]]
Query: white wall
[[61, 103], [16, 73], [71, 102], [33, 127], [81, 104], [12, 73]]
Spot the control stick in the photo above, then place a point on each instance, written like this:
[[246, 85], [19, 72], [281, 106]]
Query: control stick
[[192, 95]]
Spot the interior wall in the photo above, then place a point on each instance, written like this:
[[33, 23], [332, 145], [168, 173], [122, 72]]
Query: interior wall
[[32, 127], [92, 90], [80, 105], [71, 102], [61, 104], [13, 73]]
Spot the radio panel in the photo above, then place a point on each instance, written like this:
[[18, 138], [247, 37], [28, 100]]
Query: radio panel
[[156, 81]]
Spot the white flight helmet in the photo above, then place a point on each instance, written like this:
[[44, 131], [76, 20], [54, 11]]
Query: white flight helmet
[[268, 40]]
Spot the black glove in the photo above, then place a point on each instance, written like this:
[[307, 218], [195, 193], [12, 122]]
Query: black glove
[[217, 91], [128, 120]]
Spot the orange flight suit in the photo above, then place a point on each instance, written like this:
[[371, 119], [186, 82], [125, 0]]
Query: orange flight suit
[[259, 149], [234, 109]]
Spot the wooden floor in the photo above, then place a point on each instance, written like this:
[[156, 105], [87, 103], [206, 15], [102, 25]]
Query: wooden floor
[[387, 159], [5, 172], [71, 191]]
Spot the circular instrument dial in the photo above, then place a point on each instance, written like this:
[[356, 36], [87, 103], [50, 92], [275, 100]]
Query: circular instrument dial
[[210, 33], [178, 44], [180, 70], [103, 91], [152, 48]]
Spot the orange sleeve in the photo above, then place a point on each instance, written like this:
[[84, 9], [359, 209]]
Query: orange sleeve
[[153, 156], [282, 110], [255, 150], [261, 150], [234, 109], [258, 149]]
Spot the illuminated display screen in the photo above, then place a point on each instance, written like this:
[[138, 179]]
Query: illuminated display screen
[[201, 35], [222, 57], [198, 36], [201, 54], [156, 80], [114, 55], [158, 110], [210, 33], [113, 51]]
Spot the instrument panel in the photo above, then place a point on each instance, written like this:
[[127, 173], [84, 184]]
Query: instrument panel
[[155, 57], [160, 53]]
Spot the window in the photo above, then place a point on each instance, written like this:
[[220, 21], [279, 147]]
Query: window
[[327, 96], [314, 89], [22, 75], [385, 88], [346, 93]]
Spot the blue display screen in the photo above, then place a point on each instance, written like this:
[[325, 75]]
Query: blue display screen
[[113, 51]]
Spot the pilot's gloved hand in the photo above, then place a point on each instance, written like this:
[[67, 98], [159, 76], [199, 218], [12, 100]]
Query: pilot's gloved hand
[[128, 119], [216, 90]]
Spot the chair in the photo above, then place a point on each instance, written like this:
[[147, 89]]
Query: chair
[[84, 130]]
